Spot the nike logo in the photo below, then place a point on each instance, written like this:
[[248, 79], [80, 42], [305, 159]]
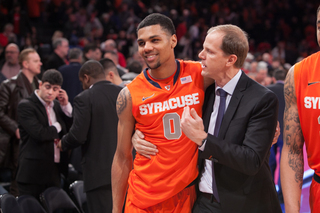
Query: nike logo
[[316, 82], [145, 98]]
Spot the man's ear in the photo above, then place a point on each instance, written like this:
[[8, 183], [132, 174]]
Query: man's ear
[[174, 41], [232, 60], [40, 84], [86, 78], [25, 64]]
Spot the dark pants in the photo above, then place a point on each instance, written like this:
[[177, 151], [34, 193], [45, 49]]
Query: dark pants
[[100, 199], [205, 205], [34, 189]]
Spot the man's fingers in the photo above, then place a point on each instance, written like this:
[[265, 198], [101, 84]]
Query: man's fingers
[[139, 134]]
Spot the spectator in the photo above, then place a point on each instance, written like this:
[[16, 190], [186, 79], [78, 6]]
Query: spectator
[[12, 91], [262, 71], [278, 88], [110, 45], [111, 72], [134, 68], [10, 66], [91, 52], [114, 57], [70, 73], [59, 56], [42, 122]]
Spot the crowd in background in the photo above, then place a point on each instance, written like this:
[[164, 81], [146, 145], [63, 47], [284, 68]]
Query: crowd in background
[[285, 30]]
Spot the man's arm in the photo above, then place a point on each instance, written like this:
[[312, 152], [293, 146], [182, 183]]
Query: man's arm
[[29, 121], [8, 124], [291, 163], [78, 132], [122, 161]]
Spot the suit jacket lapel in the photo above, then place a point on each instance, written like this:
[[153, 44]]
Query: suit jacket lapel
[[40, 106], [234, 103]]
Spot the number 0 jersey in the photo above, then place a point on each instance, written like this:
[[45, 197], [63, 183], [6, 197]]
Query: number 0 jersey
[[157, 111], [307, 86]]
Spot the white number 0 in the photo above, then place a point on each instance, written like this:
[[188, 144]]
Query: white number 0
[[171, 125]]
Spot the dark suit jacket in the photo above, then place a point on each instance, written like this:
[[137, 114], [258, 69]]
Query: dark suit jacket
[[278, 88], [54, 62], [71, 83], [241, 151], [95, 128], [36, 157]]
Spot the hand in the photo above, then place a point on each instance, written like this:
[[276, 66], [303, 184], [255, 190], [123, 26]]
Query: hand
[[276, 134], [143, 147], [63, 97], [192, 125], [59, 145], [17, 134]]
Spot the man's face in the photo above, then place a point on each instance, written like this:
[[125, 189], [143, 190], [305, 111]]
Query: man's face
[[214, 60], [261, 75], [97, 54], [12, 54], [155, 45], [48, 92], [318, 28], [33, 63], [64, 48]]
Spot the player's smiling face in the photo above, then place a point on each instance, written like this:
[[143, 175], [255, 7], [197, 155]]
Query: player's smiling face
[[155, 45]]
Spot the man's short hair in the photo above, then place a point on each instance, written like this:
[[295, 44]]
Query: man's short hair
[[279, 74], [108, 65], [24, 55], [134, 66], [235, 41], [88, 47], [57, 42], [156, 18], [75, 53], [53, 77], [93, 69]]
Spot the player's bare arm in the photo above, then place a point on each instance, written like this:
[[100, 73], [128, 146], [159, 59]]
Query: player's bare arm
[[292, 151], [122, 161]]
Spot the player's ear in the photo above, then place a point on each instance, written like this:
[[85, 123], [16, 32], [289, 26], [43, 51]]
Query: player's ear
[[174, 41]]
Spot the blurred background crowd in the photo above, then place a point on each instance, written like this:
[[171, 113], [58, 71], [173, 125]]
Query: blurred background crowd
[[280, 32]]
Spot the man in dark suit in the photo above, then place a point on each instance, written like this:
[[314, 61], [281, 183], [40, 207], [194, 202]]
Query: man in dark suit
[[278, 88], [95, 129], [42, 121], [70, 73], [240, 118], [59, 56]]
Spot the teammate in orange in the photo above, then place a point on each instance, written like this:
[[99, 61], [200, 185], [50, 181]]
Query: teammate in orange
[[153, 103], [302, 124]]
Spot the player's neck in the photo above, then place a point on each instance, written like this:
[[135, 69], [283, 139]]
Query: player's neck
[[164, 71]]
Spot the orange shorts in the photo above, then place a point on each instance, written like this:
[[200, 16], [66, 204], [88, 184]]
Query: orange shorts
[[314, 199], [181, 202]]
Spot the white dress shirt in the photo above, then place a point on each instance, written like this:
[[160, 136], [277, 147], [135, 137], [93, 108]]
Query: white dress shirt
[[52, 119]]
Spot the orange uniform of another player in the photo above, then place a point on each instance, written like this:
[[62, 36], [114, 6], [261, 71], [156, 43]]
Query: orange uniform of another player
[[157, 107], [307, 86]]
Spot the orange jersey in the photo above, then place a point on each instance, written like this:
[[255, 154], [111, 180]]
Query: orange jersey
[[157, 111], [307, 86]]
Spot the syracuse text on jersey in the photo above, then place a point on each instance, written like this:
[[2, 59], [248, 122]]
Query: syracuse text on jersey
[[312, 102], [172, 103]]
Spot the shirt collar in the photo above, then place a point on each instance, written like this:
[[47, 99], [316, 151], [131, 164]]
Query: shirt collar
[[231, 85], [42, 101]]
